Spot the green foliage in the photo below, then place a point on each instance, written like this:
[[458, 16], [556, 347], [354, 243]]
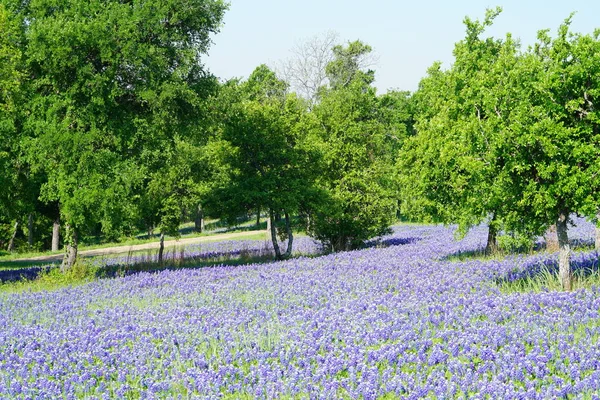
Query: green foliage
[[506, 133], [11, 74], [172, 187], [111, 86], [359, 136], [108, 119], [346, 65], [550, 150], [11, 79], [509, 135], [450, 168], [515, 242], [260, 158]]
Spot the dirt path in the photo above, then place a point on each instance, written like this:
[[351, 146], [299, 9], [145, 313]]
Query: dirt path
[[146, 246]]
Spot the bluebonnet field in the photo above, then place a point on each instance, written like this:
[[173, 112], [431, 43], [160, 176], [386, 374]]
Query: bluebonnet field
[[398, 320]]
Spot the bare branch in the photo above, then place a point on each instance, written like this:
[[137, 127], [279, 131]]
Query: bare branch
[[305, 69]]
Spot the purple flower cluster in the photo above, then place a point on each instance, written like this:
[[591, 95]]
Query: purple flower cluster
[[397, 320]]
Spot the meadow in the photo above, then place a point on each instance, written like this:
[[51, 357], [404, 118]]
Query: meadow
[[399, 319]]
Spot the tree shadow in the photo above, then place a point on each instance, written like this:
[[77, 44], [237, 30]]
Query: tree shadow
[[218, 227], [536, 248], [389, 242], [24, 273], [583, 264]]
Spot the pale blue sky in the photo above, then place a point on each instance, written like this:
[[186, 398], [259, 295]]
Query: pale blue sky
[[407, 36]]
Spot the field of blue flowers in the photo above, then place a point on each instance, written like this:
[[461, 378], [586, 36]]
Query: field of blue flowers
[[396, 320]]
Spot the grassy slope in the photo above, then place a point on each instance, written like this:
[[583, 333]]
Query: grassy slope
[[186, 230]]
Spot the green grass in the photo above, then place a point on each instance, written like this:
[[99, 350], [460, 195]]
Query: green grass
[[6, 256], [53, 279], [11, 260], [86, 270], [178, 248], [186, 231], [143, 239], [547, 280], [15, 264]]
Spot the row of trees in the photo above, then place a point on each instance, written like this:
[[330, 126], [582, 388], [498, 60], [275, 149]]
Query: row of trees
[[508, 137], [110, 124], [100, 102], [326, 158]]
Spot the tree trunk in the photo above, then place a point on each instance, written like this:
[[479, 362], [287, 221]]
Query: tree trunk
[[258, 217], [70, 248], [30, 230], [564, 256], [55, 234], [551, 237], [598, 232], [492, 239], [288, 227], [268, 224], [150, 230], [161, 249], [273, 229], [11, 242], [199, 220]]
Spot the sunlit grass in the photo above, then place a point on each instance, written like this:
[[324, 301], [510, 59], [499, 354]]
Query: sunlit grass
[[213, 228], [13, 261], [547, 280], [53, 279], [89, 269]]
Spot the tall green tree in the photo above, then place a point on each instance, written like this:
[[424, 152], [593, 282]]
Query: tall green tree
[[551, 151], [261, 154], [10, 78], [509, 135], [112, 84], [16, 197], [357, 142], [171, 189], [348, 63], [450, 169]]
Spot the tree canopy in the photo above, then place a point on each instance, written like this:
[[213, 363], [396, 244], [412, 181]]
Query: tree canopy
[[508, 136], [111, 85], [358, 142]]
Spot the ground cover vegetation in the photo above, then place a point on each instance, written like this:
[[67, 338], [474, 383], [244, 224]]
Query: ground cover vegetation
[[395, 320]]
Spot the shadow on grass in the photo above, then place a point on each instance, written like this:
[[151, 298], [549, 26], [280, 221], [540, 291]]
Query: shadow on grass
[[540, 273], [137, 263], [144, 263], [170, 264], [16, 264], [218, 227], [382, 243], [23, 273], [536, 248]]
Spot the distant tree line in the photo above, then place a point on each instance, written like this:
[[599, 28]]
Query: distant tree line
[[110, 125]]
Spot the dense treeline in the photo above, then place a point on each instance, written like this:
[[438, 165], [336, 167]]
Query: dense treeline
[[508, 136], [110, 124]]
